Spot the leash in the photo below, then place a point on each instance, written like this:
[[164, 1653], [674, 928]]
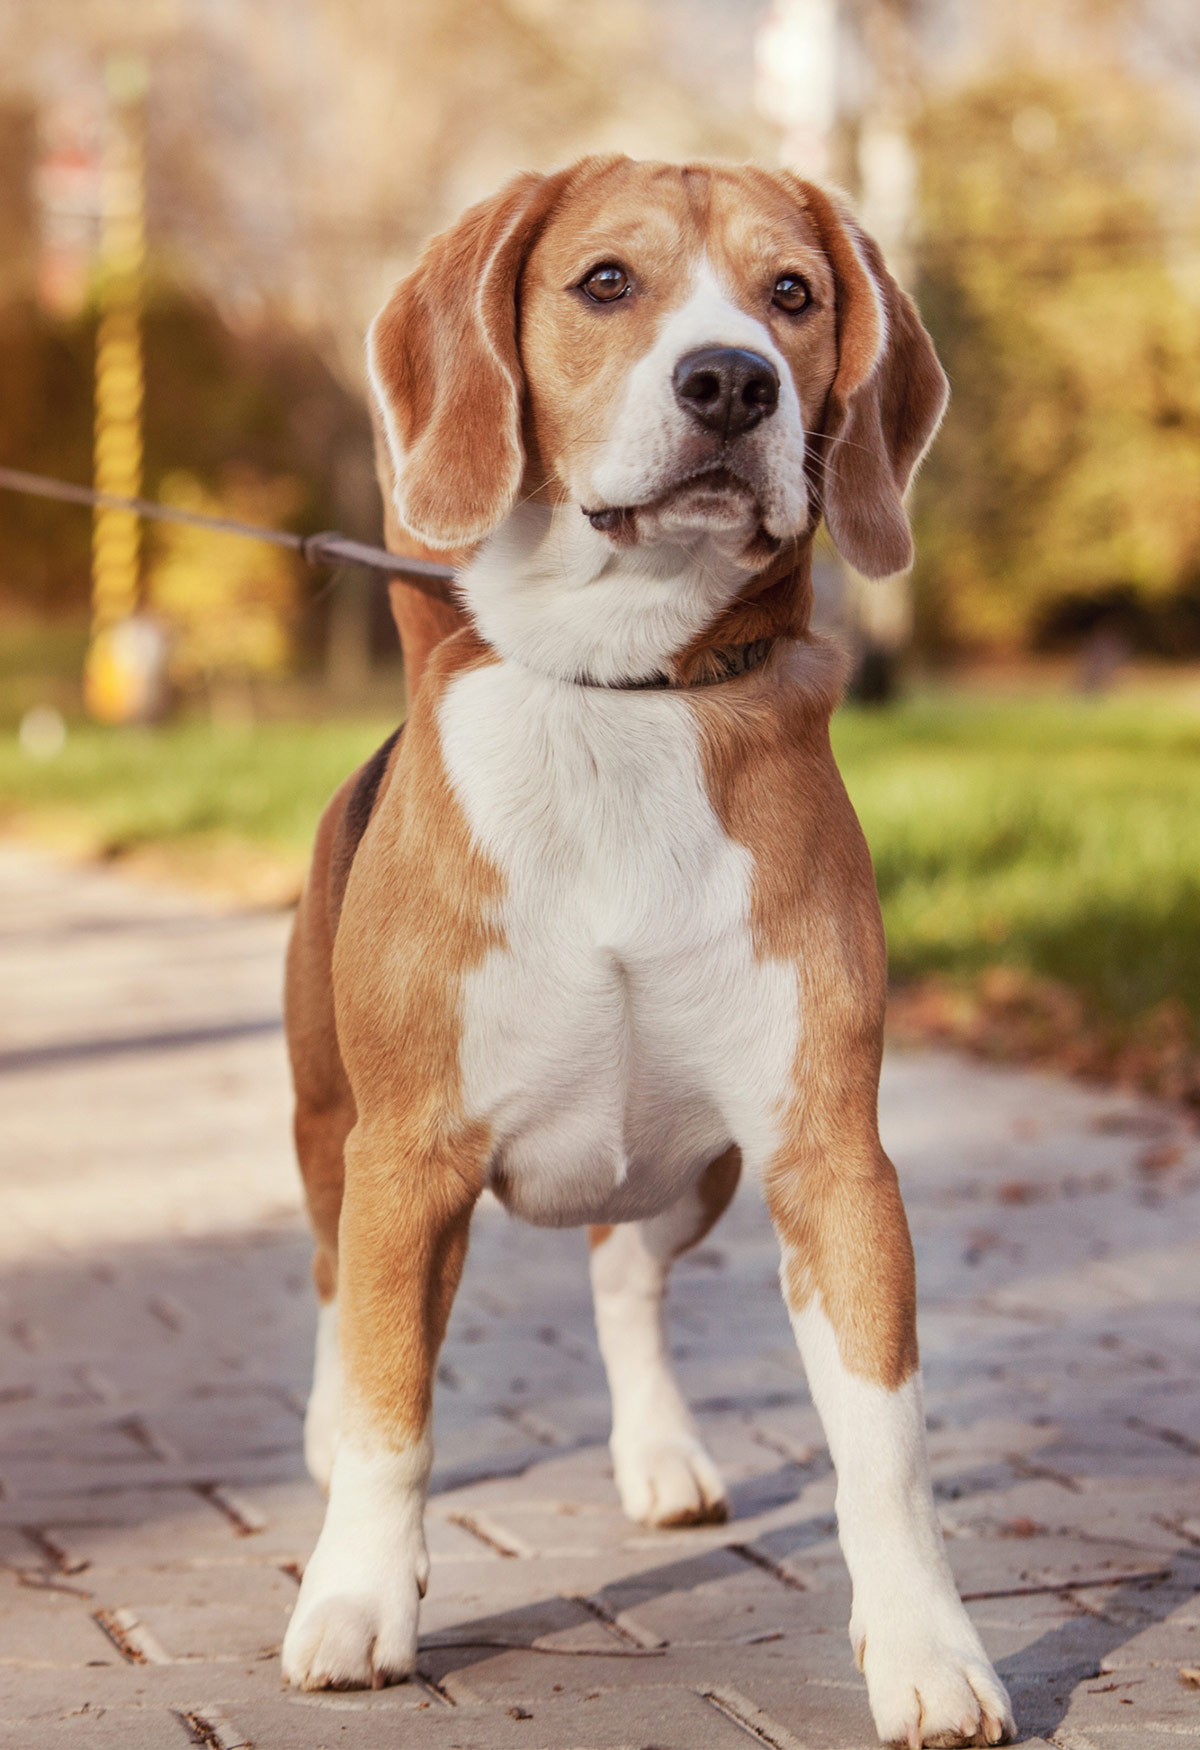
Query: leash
[[327, 548]]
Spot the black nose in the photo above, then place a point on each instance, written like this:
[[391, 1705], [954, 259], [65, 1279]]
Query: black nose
[[726, 389]]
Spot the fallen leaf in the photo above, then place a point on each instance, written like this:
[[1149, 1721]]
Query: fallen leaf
[[1157, 1160], [1021, 1527]]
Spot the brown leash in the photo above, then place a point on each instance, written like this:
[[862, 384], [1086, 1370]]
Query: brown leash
[[328, 548]]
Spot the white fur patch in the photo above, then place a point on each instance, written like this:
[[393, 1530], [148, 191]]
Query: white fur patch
[[925, 1666], [663, 1472], [626, 1032], [357, 1610], [553, 595], [322, 1418], [650, 430]]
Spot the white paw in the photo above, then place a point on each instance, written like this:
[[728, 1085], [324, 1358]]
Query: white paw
[[355, 1621], [669, 1481], [353, 1640], [323, 1415], [931, 1688]]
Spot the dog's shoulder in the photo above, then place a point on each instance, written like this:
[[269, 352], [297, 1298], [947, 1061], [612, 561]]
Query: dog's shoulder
[[774, 785], [370, 784], [772, 735]]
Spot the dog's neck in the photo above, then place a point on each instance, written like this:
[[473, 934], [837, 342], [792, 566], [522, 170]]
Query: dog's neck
[[551, 594]]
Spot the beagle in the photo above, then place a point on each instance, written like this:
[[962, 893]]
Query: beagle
[[600, 927]]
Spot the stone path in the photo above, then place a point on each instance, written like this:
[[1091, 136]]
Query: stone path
[[154, 1348]]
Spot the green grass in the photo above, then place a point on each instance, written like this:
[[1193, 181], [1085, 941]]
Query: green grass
[[1055, 835], [211, 796]]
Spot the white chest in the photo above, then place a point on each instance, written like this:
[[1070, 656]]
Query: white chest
[[625, 1032]]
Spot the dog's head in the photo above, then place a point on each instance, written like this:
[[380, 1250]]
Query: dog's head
[[674, 351]]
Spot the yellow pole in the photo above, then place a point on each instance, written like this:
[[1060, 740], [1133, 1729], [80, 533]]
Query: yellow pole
[[116, 544]]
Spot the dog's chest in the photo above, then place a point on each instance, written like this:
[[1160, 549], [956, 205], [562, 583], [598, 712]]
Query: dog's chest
[[602, 1039]]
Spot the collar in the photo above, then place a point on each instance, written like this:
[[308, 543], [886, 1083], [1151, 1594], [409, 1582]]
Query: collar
[[728, 663]]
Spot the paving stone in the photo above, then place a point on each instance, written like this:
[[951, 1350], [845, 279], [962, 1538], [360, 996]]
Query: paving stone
[[516, 1592], [668, 1719], [992, 1566], [241, 1585], [144, 1526], [46, 1693], [1142, 1697], [155, 1343], [116, 1729], [1142, 1737], [43, 1625], [504, 1678]]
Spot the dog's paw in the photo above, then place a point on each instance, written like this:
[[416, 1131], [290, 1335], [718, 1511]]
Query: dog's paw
[[353, 1640], [926, 1691], [355, 1621], [669, 1481]]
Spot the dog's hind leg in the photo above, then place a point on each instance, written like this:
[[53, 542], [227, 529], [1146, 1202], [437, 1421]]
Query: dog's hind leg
[[325, 1110], [664, 1474], [324, 1118]]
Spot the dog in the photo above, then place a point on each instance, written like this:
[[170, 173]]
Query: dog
[[600, 926]]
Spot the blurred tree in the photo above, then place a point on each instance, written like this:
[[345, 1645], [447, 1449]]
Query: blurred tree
[[299, 151], [264, 399], [229, 604], [16, 199], [1060, 238]]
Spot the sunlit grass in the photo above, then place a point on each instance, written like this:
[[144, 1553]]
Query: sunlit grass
[[1058, 836], [231, 807]]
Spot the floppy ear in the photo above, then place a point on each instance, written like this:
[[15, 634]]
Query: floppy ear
[[886, 402], [444, 367]]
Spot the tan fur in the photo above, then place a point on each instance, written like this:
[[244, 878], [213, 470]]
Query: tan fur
[[492, 379], [886, 401], [324, 1114], [831, 1190], [444, 357], [413, 921], [324, 1111], [421, 622]]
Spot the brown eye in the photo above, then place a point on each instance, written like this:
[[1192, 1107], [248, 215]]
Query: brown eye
[[791, 293], [606, 283]]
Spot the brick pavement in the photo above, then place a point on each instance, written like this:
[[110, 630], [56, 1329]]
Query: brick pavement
[[154, 1348]]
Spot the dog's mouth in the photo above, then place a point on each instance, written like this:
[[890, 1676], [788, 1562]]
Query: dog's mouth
[[713, 499]]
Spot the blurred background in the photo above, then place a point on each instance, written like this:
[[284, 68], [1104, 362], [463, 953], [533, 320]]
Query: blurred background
[[202, 203]]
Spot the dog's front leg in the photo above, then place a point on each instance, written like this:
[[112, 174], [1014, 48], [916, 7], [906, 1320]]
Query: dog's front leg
[[849, 1284], [663, 1471], [402, 1241]]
